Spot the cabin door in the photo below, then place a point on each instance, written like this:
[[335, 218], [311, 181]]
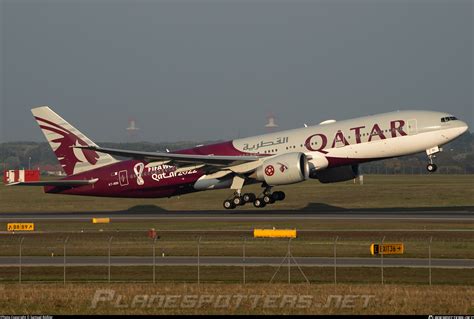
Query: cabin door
[[412, 127]]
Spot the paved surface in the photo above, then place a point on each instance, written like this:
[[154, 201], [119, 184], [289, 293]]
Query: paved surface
[[251, 215], [236, 261]]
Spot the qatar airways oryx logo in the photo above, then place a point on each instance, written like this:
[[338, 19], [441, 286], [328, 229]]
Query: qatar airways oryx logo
[[66, 152], [283, 167]]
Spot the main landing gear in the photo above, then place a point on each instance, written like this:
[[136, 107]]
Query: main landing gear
[[431, 167], [239, 200], [267, 197]]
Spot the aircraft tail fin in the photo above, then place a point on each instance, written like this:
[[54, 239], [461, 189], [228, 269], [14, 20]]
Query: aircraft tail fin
[[62, 137]]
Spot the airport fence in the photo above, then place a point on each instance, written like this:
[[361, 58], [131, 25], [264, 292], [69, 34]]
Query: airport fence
[[234, 257]]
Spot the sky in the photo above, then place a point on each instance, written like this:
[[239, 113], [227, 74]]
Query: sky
[[212, 70]]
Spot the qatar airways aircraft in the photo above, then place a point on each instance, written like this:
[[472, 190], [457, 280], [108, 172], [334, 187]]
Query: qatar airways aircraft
[[329, 152]]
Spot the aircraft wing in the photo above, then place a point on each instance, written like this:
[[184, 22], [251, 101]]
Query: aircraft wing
[[70, 183], [208, 160]]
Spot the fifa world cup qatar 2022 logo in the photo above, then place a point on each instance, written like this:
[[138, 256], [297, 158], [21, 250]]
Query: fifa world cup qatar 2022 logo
[[138, 170], [269, 170]]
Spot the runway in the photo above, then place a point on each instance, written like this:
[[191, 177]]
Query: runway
[[250, 215], [236, 261]]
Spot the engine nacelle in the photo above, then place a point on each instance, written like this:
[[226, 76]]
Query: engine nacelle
[[284, 169], [336, 174]]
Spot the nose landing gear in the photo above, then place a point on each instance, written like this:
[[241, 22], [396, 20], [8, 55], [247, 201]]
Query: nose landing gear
[[432, 167]]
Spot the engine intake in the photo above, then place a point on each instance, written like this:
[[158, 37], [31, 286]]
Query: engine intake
[[284, 169]]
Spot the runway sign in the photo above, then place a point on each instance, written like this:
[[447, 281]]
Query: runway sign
[[387, 249], [274, 233], [21, 227], [100, 220], [12, 176]]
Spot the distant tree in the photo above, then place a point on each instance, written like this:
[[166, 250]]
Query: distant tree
[[12, 162]]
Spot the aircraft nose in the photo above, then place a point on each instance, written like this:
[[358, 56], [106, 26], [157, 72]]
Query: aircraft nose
[[463, 126]]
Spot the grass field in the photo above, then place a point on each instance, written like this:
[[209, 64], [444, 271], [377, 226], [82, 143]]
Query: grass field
[[234, 274], [378, 191], [405, 290], [315, 237], [254, 299], [350, 244]]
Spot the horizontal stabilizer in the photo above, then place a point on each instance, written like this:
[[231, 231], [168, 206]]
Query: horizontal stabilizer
[[70, 183]]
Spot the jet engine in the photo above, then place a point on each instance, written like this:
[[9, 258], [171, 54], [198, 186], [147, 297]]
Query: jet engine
[[284, 169]]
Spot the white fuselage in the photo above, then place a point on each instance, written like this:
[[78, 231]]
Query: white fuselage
[[361, 139]]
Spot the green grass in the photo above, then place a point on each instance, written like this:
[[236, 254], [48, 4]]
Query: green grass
[[234, 274], [451, 293], [385, 193], [378, 191], [445, 244]]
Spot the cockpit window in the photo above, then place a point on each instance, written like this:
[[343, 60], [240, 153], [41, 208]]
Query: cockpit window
[[448, 118]]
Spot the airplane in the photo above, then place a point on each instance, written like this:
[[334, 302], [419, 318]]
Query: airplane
[[330, 152]]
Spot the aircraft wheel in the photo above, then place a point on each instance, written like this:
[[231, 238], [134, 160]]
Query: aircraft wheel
[[228, 204], [268, 199], [248, 197], [259, 203], [237, 201], [278, 195], [431, 168]]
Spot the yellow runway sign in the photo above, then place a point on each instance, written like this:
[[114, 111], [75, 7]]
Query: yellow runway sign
[[20, 227], [100, 220], [274, 233], [387, 249]]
